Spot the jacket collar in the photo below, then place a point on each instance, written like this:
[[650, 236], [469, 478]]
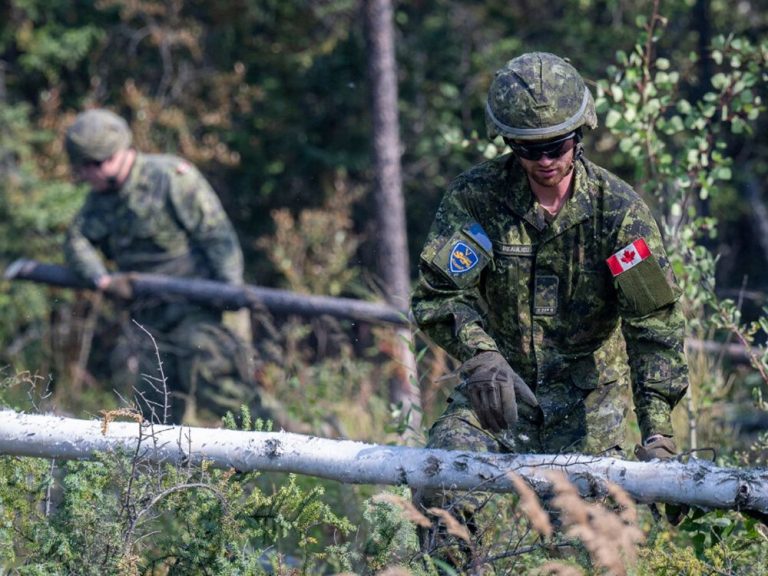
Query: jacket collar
[[576, 209], [133, 175]]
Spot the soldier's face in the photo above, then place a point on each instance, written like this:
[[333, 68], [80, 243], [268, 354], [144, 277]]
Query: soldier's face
[[549, 172], [97, 174]]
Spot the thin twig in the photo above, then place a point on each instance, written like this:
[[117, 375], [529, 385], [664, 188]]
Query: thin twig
[[162, 378], [159, 497], [532, 548], [89, 330], [48, 490]]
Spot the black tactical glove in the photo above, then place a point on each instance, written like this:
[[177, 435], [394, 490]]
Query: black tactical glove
[[493, 389], [663, 448], [120, 287]]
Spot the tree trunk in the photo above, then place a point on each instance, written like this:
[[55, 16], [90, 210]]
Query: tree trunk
[[698, 483], [759, 212], [392, 245]]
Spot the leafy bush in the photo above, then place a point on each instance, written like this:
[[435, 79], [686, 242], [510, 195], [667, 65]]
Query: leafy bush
[[121, 514]]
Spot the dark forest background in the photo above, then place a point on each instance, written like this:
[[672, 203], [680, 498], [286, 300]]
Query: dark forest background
[[272, 99]]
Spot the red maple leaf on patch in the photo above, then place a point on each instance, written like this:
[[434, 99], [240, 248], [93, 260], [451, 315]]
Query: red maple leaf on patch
[[627, 257]]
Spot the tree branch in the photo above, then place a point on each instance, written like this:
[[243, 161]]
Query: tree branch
[[698, 483]]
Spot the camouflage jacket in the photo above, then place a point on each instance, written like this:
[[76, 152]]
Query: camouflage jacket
[[495, 274], [165, 219]]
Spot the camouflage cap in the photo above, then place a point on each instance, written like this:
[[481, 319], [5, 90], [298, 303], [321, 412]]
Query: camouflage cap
[[96, 135], [538, 96]]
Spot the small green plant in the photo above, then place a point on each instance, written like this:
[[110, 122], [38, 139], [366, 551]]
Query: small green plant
[[123, 514], [395, 521]]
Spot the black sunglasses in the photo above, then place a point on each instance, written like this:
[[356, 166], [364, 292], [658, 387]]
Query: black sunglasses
[[552, 149], [93, 163]]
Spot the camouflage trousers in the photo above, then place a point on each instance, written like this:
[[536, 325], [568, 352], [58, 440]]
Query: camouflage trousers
[[594, 424], [206, 368]]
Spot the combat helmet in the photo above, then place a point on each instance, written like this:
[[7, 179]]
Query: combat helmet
[[538, 96], [96, 135]]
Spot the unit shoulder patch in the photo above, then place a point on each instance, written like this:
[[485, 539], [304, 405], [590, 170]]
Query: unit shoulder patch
[[462, 258], [464, 255]]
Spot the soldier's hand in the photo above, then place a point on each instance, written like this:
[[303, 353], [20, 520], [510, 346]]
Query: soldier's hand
[[656, 446], [118, 286], [662, 448], [494, 389]]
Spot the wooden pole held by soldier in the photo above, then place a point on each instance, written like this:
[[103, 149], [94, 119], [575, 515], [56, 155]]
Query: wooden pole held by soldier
[[220, 294]]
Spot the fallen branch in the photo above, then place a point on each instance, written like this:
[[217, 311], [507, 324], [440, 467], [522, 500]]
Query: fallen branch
[[698, 483], [219, 294], [735, 352]]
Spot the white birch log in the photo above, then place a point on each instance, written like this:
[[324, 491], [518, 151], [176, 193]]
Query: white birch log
[[697, 483]]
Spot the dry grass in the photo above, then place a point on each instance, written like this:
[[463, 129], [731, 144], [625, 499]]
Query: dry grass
[[409, 511], [608, 531], [108, 416], [531, 507], [452, 526], [610, 538], [394, 571], [558, 569]]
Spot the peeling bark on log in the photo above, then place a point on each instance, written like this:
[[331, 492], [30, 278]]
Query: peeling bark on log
[[697, 483]]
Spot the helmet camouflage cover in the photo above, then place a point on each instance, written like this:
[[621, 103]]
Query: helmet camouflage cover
[[538, 96], [95, 135]]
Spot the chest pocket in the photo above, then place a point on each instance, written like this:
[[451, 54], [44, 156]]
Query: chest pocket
[[146, 213], [545, 295], [589, 288], [148, 220], [506, 286]]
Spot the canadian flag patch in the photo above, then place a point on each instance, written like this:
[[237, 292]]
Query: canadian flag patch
[[628, 257]]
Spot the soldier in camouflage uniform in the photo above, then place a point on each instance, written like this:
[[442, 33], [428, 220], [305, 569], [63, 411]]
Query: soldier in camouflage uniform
[[158, 214], [547, 277]]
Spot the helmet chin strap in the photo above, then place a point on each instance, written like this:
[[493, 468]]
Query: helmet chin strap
[[578, 149]]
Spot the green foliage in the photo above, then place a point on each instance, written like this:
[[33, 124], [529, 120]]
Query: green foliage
[[34, 212], [271, 99], [34, 209], [393, 536], [121, 515], [708, 543], [23, 490], [315, 252], [683, 160], [51, 48]]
